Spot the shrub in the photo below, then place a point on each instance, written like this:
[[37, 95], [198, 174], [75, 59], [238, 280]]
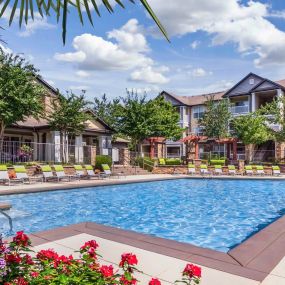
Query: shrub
[[103, 159], [146, 163], [173, 161], [217, 161], [18, 267]]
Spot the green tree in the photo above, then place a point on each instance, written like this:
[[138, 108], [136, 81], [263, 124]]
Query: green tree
[[275, 115], [251, 129], [20, 94], [69, 117], [138, 118], [215, 121], [61, 8]]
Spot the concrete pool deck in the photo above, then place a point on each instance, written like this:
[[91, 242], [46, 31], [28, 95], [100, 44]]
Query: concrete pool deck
[[165, 259], [260, 260]]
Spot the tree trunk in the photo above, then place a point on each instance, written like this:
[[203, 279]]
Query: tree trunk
[[249, 151]]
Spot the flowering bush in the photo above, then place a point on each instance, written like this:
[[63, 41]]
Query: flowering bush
[[18, 267]]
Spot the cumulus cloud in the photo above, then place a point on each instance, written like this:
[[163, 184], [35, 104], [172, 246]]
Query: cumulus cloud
[[82, 73], [199, 72], [124, 49], [245, 25], [33, 25], [149, 75]]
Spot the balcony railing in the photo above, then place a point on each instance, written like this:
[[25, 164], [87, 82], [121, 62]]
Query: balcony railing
[[239, 109]]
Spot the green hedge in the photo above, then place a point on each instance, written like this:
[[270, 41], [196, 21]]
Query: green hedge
[[103, 159], [146, 163], [217, 161], [173, 161]]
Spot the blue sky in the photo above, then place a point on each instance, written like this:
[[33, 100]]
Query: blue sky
[[213, 45]]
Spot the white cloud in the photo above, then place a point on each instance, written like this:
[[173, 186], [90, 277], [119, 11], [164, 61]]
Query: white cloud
[[39, 22], [148, 75], [199, 72], [79, 87], [195, 44], [82, 73], [245, 25], [125, 49]]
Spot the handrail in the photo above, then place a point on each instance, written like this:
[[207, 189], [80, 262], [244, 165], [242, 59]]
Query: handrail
[[9, 219]]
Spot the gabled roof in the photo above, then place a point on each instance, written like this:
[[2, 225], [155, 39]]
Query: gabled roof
[[267, 84], [193, 100], [46, 84]]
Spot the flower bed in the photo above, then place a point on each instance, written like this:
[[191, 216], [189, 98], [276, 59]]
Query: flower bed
[[18, 267]]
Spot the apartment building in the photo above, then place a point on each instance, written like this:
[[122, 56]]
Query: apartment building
[[247, 95]]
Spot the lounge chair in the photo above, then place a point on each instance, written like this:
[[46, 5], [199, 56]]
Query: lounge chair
[[248, 170], [4, 175], [161, 161], [204, 169], [79, 171], [107, 171], [60, 174], [218, 170], [232, 170], [48, 173], [191, 169], [276, 170], [21, 174], [260, 170], [90, 172]]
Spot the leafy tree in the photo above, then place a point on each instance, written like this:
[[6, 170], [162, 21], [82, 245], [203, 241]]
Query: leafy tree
[[20, 95], [274, 115], [105, 109], [251, 129], [138, 118], [69, 117], [58, 8], [215, 121]]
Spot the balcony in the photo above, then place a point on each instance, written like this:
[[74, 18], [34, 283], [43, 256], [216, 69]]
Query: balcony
[[239, 110]]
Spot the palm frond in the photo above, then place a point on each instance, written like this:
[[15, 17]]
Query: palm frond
[[61, 9]]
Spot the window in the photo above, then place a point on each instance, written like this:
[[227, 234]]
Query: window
[[198, 112], [251, 81], [198, 131]]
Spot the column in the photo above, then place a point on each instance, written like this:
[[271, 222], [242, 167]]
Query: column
[[41, 147], [253, 102], [79, 149], [35, 146], [55, 144], [235, 150]]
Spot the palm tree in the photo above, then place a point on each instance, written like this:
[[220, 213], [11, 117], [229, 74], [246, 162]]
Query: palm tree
[[62, 7]]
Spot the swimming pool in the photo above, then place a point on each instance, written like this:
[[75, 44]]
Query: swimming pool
[[216, 214]]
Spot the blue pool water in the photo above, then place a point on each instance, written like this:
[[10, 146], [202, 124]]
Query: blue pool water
[[210, 213]]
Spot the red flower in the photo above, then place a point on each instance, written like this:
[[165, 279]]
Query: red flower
[[128, 258], [126, 281], [13, 258], [192, 270], [20, 281], [48, 254], [35, 274], [63, 260], [107, 271], [89, 244], [28, 259], [21, 239], [154, 281], [92, 252]]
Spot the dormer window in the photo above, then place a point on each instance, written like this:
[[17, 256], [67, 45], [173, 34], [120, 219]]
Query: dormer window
[[251, 81]]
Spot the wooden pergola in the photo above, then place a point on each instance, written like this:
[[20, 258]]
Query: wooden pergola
[[229, 142], [152, 142], [194, 139]]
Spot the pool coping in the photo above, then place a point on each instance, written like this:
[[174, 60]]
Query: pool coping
[[253, 259], [97, 183]]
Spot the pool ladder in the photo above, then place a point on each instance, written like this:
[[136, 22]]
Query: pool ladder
[[9, 219]]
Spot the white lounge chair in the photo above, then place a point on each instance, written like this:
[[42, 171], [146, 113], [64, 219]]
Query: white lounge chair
[[107, 171], [4, 175], [90, 172], [191, 169], [48, 173], [260, 170], [248, 170], [232, 170], [21, 174], [60, 174], [204, 169], [218, 170], [276, 170], [79, 171]]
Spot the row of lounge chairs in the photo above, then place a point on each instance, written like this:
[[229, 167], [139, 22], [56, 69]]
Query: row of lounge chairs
[[218, 170], [55, 173]]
